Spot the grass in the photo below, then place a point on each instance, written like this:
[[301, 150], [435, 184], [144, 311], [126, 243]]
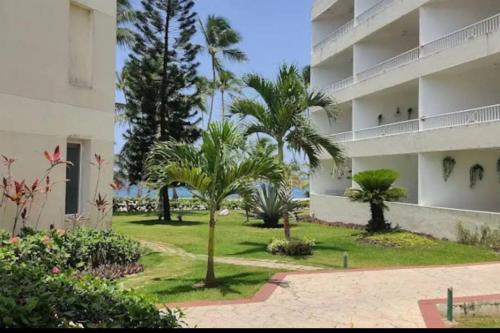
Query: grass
[[477, 322], [247, 240], [168, 279]]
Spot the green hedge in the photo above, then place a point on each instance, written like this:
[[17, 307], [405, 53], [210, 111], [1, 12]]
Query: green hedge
[[29, 297]]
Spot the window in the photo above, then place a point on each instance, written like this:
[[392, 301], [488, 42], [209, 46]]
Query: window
[[80, 44], [73, 177]]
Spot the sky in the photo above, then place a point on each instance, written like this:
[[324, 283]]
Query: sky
[[273, 31]]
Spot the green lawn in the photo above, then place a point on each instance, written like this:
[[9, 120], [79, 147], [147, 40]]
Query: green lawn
[[478, 322], [168, 279], [235, 238]]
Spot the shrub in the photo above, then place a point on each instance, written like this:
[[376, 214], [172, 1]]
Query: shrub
[[31, 298], [480, 236], [80, 249], [397, 239], [292, 247], [41, 249], [93, 248]]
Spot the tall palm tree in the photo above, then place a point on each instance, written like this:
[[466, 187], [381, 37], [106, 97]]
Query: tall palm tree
[[230, 84], [220, 42], [281, 115], [213, 171], [125, 15], [376, 189]]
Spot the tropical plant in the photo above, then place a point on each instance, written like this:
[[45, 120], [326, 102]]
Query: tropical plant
[[125, 16], [281, 116], [448, 167], [376, 189], [269, 203], [230, 84], [216, 169], [291, 247], [220, 42], [476, 174]]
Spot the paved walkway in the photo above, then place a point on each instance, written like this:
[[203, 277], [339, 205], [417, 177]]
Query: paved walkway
[[358, 299], [174, 250]]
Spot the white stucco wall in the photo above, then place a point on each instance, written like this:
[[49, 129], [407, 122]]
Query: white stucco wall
[[360, 6], [440, 18], [341, 123], [40, 107], [326, 180], [322, 77], [405, 165], [366, 110], [387, 43], [456, 192], [450, 92], [438, 222]]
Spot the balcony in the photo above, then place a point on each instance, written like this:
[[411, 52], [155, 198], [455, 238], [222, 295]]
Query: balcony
[[462, 118], [481, 28], [386, 130], [485, 114], [349, 26]]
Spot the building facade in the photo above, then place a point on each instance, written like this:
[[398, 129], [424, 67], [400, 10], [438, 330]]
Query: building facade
[[417, 84], [57, 79]]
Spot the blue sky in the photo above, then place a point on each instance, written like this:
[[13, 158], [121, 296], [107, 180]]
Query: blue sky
[[273, 31]]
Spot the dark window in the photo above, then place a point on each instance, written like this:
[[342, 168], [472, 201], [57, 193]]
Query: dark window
[[73, 177]]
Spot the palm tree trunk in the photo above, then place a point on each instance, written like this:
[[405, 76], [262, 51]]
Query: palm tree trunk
[[167, 216], [212, 97], [377, 222], [286, 218], [222, 100], [210, 280]]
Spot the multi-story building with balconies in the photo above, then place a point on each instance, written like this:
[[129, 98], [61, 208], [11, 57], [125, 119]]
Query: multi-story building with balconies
[[416, 82]]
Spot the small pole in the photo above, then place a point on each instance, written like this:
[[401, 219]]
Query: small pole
[[450, 305], [345, 260]]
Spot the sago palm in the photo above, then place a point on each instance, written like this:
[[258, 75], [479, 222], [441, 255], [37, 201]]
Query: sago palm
[[376, 189], [281, 115], [216, 169], [220, 42]]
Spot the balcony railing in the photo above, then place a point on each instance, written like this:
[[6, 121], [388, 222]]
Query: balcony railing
[[341, 137], [397, 61], [463, 118], [373, 10], [389, 129], [342, 84], [458, 37], [332, 37]]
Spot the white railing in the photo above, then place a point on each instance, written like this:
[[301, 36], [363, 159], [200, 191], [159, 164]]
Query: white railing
[[453, 39], [342, 84], [373, 10], [397, 61], [389, 129], [341, 137], [332, 37], [462, 118]]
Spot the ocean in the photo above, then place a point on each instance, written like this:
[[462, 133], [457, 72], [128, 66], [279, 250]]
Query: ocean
[[182, 192]]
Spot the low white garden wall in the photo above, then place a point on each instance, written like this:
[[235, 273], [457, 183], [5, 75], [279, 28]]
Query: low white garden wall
[[438, 222]]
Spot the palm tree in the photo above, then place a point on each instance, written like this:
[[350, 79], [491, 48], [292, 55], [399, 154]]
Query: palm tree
[[220, 40], [281, 116], [228, 83], [376, 189], [125, 16], [213, 171], [121, 108]]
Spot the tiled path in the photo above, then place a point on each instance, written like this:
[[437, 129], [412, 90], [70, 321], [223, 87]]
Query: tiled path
[[359, 299], [173, 250]]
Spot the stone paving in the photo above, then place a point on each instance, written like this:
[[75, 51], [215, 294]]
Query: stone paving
[[350, 299]]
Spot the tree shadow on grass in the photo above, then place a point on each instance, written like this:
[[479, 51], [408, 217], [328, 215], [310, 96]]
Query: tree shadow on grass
[[252, 247], [226, 284], [165, 223]]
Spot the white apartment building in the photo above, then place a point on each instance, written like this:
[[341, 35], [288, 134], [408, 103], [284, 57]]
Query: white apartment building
[[57, 74], [417, 82]]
